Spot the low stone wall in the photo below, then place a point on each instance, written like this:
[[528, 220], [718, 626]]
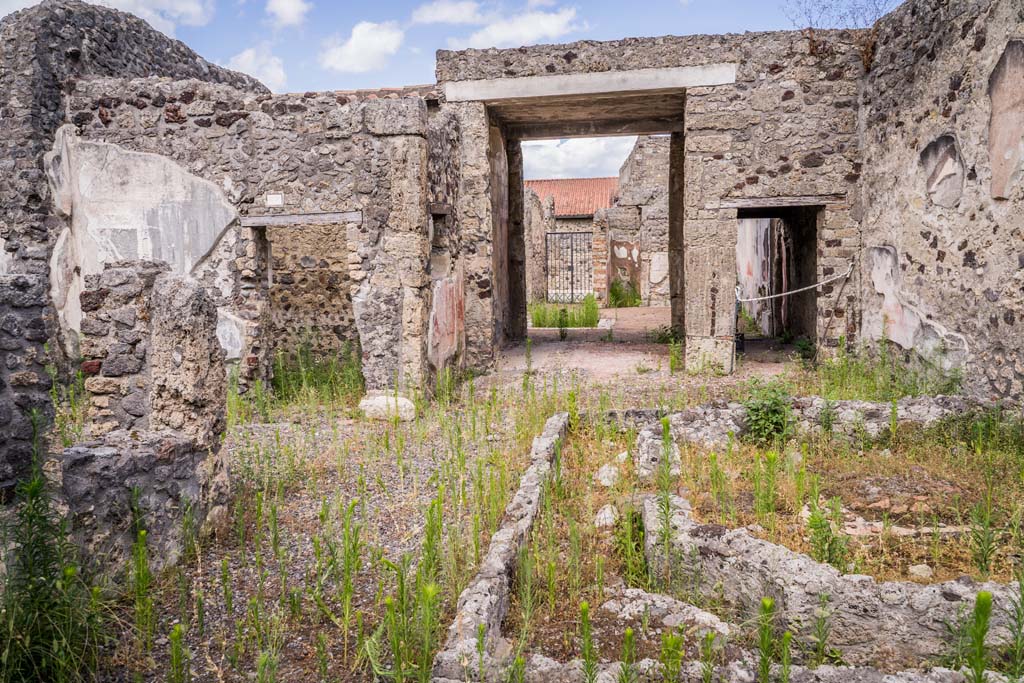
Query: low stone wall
[[485, 600], [712, 425], [888, 624]]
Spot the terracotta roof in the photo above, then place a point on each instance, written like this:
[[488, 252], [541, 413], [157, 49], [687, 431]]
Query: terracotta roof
[[577, 196]]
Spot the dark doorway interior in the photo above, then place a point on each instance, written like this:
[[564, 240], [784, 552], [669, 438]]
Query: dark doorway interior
[[787, 255]]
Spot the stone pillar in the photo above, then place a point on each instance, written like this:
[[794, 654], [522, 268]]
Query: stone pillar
[[156, 416], [516, 244], [676, 232], [600, 251]]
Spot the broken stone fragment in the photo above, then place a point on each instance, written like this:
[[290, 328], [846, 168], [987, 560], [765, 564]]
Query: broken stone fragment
[[921, 571], [606, 517], [387, 407], [607, 475]]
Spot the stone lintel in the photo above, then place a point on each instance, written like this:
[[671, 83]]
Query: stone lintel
[[560, 85], [283, 219], [556, 131]]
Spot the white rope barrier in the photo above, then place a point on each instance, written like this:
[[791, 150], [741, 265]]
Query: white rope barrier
[[849, 271]]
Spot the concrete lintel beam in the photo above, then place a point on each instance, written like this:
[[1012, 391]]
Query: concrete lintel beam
[[637, 80], [284, 219], [583, 129]]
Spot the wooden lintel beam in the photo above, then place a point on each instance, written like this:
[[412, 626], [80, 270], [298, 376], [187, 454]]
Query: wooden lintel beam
[[286, 219], [779, 202], [580, 129]]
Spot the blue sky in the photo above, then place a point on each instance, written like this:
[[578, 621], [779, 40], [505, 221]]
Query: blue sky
[[300, 45]]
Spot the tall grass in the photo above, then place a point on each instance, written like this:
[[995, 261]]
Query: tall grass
[[623, 295], [309, 377], [586, 314], [882, 376]]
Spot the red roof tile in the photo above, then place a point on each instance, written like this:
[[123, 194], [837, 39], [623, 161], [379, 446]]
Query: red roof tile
[[577, 196]]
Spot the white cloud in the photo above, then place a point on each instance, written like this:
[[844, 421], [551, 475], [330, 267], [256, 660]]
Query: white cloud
[[448, 12], [576, 157], [521, 29], [261, 63], [367, 48], [163, 15], [288, 12]]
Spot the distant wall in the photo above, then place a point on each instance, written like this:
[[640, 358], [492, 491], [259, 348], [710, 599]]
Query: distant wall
[[44, 51], [296, 155], [786, 128], [943, 196]]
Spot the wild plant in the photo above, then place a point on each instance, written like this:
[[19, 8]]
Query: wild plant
[[785, 657], [720, 487], [629, 545], [765, 640], [587, 649], [820, 632], [525, 587], [481, 651], [708, 655], [225, 587], [179, 670], [984, 536], [429, 599], [141, 583], [675, 356], [1014, 645], [189, 533], [665, 481], [351, 564], [52, 623], [627, 669], [769, 413], [323, 661], [71, 406], [671, 657], [827, 417], [200, 613], [827, 545], [269, 658], [766, 470], [978, 626], [517, 672], [563, 324]]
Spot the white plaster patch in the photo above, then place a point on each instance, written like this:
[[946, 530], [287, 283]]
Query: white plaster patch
[[6, 258], [659, 267], [899, 321], [125, 205], [230, 333]]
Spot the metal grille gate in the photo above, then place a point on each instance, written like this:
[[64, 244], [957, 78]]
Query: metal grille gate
[[570, 266]]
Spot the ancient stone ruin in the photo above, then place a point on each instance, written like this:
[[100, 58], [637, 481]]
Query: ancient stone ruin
[[166, 224]]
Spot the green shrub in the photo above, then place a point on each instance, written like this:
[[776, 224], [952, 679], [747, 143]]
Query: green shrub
[[622, 294], [51, 624], [769, 412], [585, 314]]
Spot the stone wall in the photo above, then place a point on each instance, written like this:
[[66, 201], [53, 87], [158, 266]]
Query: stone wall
[[787, 128], [44, 52], [151, 457], [643, 188], [297, 156], [943, 266], [538, 221], [310, 289]]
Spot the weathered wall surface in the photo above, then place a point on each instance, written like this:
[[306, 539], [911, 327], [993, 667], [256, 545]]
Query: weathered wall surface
[[310, 288], [943, 125], [786, 128], [538, 221], [44, 51], [157, 412], [321, 152], [643, 184]]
